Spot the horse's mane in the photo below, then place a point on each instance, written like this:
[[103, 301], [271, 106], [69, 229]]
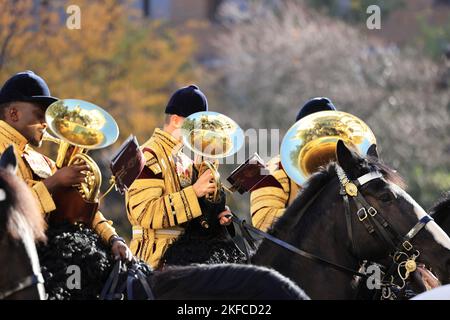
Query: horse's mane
[[19, 207], [441, 208], [320, 179]]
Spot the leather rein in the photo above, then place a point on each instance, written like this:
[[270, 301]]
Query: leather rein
[[113, 291], [404, 253]]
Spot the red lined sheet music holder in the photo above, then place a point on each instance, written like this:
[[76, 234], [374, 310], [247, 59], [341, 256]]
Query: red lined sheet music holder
[[251, 175]]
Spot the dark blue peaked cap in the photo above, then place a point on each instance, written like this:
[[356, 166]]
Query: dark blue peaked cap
[[315, 105], [26, 86], [186, 101]]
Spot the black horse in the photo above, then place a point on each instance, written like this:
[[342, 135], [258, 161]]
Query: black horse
[[21, 224], [441, 212], [319, 223]]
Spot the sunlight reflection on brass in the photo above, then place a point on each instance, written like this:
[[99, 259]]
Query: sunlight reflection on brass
[[212, 134], [311, 142], [80, 126], [81, 123]]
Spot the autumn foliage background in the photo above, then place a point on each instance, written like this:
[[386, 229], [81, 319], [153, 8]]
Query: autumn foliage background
[[258, 66], [125, 64]]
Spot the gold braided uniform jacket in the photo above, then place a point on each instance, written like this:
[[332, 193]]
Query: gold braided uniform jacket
[[268, 203], [161, 199], [33, 167]]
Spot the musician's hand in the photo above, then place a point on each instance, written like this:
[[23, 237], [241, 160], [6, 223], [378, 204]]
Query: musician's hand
[[121, 251], [225, 217], [66, 177], [203, 185]]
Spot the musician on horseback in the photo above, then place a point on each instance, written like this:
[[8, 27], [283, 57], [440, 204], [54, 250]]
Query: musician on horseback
[[269, 202], [164, 197], [23, 101]]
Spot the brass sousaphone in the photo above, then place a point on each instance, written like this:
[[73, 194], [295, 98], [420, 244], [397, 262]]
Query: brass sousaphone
[[79, 126], [311, 142], [211, 136]]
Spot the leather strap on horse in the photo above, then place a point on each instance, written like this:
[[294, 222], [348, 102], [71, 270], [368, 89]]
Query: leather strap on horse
[[135, 274], [248, 237], [248, 240], [109, 289], [348, 220], [295, 250], [29, 281], [375, 223]]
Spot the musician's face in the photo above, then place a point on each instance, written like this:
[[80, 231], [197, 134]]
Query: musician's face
[[29, 119]]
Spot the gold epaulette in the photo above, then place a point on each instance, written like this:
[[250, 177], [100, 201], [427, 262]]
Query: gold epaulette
[[151, 161]]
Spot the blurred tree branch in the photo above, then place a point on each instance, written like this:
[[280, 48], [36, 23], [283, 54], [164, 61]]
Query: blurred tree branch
[[274, 62]]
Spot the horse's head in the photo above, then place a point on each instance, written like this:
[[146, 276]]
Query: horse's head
[[354, 210], [21, 224], [388, 226]]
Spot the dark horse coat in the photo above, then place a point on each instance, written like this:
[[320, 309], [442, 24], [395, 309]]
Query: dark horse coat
[[441, 212], [21, 225]]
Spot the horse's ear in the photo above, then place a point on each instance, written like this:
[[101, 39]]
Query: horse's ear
[[347, 159], [373, 152], [8, 160]]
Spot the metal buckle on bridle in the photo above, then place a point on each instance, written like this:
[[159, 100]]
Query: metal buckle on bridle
[[361, 216], [407, 245], [372, 211]]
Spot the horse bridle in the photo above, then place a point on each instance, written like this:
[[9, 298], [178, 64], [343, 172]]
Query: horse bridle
[[372, 221], [27, 282], [404, 253]]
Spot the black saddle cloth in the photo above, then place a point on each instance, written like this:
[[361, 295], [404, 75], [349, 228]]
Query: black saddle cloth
[[205, 245], [70, 248]]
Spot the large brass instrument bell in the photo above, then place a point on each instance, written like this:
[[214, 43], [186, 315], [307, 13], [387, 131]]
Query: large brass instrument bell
[[211, 136], [80, 126], [311, 142]]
